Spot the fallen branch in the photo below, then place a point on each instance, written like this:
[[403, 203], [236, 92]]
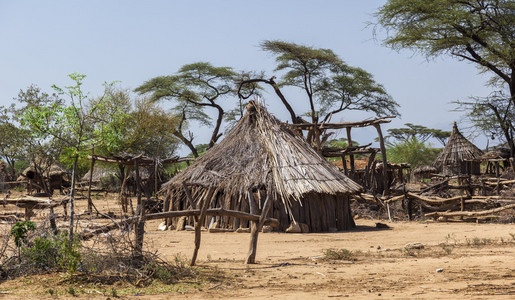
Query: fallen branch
[[434, 186], [494, 183], [469, 213], [439, 200]]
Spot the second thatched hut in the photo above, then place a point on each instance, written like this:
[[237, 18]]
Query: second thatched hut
[[457, 155], [262, 160]]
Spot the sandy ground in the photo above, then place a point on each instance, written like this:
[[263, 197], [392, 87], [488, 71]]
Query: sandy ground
[[291, 266], [475, 261]]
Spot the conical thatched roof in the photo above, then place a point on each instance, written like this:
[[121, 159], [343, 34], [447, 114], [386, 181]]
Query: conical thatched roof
[[457, 150], [261, 153]]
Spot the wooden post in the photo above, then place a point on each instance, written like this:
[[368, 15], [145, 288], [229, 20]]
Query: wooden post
[[90, 202], [251, 257], [198, 225], [385, 161], [344, 165], [155, 177], [123, 197], [140, 212], [366, 180], [351, 156]]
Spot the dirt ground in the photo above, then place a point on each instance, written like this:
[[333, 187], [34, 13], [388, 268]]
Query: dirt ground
[[459, 260]]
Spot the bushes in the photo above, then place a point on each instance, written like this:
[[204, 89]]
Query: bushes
[[41, 252], [108, 259], [413, 152]]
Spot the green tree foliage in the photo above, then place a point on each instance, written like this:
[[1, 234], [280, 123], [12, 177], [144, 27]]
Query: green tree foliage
[[12, 141], [136, 126], [481, 32], [411, 151], [421, 133], [41, 152], [193, 89], [331, 85], [69, 123]]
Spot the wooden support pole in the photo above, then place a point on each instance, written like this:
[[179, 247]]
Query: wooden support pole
[[251, 257], [156, 177], [386, 188], [123, 195], [367, 180], [198, 225], [351, 156], [90, 202], [140, 212]]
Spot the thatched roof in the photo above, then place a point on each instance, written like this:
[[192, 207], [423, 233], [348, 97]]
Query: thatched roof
[[260, 153], [99, 172], [457, 150], [424, 169], [501, 153]]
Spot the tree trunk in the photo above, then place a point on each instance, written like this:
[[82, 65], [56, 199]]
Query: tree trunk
[[90, 202], [71, 202]]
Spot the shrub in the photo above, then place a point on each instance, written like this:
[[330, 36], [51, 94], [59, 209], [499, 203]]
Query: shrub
[[412, 152]]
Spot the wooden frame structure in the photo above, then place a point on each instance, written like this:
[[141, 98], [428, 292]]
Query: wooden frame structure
[[353, 150]]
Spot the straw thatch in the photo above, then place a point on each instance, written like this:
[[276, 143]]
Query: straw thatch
[[496, 154], [262, 156], [422, 172], [456, 155], [55, 176]]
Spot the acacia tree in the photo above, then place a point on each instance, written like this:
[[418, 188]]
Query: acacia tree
[[481, 32], [193, 88], [331, 86], [418, 132]]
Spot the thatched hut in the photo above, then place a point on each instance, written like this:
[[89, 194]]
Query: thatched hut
[[457, 155], [262, 159], [55, 177], [422, 172]]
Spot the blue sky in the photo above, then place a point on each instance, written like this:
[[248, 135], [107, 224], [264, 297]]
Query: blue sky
[[133, 41]]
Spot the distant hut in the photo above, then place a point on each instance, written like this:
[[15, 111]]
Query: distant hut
[[493, 158], [422, 172], [103, 177], [55, 177], [457, 156], [262, 159]]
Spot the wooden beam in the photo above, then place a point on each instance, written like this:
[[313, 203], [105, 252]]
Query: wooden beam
[[183, 213], [307, 126]]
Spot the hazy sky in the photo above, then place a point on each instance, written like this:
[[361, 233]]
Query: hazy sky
[[132, 41]]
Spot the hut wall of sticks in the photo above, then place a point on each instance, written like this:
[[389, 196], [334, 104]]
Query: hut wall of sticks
[[457, 157], [264, 167]]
